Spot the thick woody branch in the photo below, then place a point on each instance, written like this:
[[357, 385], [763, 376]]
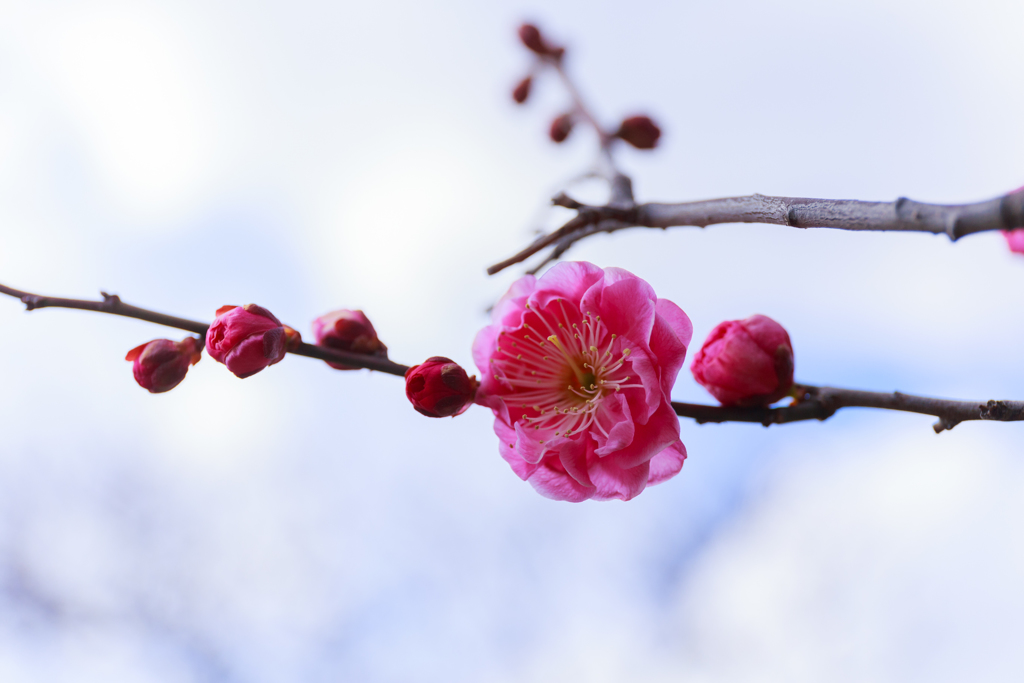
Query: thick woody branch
[[113, 305], [820, 403], [902, 215]]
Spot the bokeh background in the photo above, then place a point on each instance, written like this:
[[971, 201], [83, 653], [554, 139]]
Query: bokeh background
[[307, 525]]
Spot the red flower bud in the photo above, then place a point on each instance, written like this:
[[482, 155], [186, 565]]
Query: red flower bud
[[161, 364], [439, 387], [522, 90], [640, 132], [561, 127], [532, 39], [746, 362], [348, 331], [246, 339]]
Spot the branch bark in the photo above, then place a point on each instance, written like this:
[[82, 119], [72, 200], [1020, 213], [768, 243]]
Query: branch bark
[[821, 403], [903, 215], [113, 305]]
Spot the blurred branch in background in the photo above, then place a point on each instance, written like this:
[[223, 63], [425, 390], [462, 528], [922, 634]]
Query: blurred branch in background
[[621, 211], [903, 215]]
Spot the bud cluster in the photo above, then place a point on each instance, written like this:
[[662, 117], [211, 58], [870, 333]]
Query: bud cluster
[[639, 131]]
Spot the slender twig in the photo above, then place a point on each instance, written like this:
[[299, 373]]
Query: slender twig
[[820, 403], [903, 215], [113, 305]]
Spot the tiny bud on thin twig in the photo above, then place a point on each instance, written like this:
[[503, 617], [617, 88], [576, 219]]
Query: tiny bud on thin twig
[[561, 127], [534, 41], [522, 90], [639, 131]]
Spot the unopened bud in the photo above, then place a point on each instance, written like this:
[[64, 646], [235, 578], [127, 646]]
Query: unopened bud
[[531, 37], [348, 331], [246, 339], [639, 131], [746, 362], [534, 40], [561, 127], [439, 387], [522, 90], [161, 365]]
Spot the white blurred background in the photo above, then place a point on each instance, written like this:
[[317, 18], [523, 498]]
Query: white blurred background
[[307, 525]]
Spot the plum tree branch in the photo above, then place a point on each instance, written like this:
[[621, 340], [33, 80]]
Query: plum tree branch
[[113, 305], [903, 215], [820, 403]]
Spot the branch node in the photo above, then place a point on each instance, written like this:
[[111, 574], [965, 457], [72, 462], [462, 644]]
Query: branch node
[[791, 219], [32, 301], [562, 199]]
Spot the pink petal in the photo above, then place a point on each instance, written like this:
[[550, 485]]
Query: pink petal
[[660, 432], [557, 485], [625, 304], [615, 410], [667, 464], [613, 482], [669, 338], [573, 456], [567, 280]]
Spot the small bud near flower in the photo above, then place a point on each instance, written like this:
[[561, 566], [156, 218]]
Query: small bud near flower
[[561, 127], [246, 339], [439, 387], [348, 331], [639, 131], [161, 365], [522, 90], [746, 362]]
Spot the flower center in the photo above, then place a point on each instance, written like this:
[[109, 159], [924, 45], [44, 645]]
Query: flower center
[[558, 371]]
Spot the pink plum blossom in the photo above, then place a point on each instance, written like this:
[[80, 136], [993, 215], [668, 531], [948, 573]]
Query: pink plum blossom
[[578, 366], [247, 339], [746, 362]]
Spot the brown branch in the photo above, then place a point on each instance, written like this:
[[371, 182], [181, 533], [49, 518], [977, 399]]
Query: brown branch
[[113, 305], [903, 215], [820, 403]]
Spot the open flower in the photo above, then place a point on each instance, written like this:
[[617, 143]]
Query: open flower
[[578, 366]]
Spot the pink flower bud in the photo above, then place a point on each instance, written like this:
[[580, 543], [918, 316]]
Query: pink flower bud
[[246, 339], [561, 127], [640, 132], [522, 90], [348, 331], [746, 362], [161, 364], [439, 387]]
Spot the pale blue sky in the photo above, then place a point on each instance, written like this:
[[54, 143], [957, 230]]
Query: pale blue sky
[[306, 524]]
